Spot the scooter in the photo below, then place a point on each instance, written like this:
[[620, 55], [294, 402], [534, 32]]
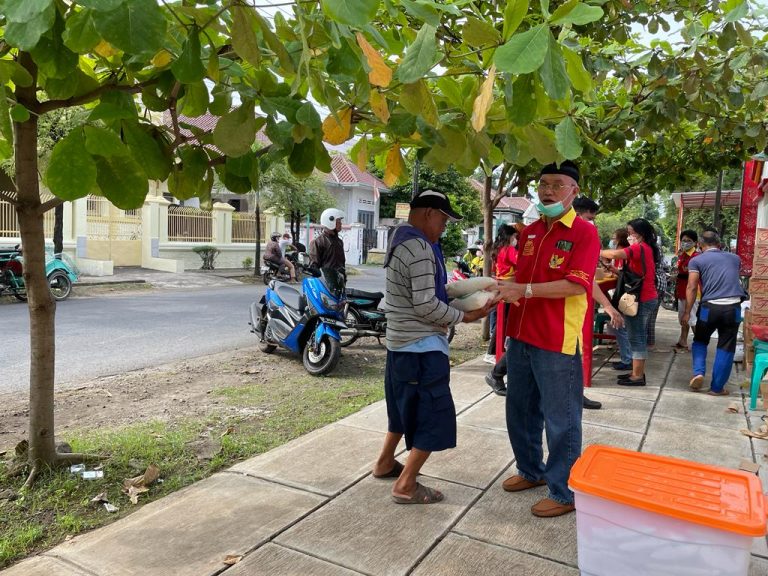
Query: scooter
[[60, 271], [271, 271], [363, 317], [305, 321]]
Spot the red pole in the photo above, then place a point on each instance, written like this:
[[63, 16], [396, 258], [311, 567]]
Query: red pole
[[586, 341]]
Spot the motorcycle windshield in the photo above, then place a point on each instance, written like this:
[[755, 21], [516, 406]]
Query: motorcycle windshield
[[333, 280]]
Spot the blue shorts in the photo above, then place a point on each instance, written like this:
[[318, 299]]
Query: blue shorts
[[419, 402]]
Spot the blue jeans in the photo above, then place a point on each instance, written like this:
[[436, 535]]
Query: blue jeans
[[544, 391], [622, 341], [725, 318], [637, 327]]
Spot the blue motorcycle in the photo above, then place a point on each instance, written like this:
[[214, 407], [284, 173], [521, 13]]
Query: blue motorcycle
[[305, 321]]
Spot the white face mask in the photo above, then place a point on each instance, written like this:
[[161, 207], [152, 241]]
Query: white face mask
[[632, 240], [612, 244]]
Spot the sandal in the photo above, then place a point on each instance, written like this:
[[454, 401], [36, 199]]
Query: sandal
[[761, 432], [722, 392], [394, 473], [422, 495], [680, 348]]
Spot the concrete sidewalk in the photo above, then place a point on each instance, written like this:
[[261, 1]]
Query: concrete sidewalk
[[312, 507]]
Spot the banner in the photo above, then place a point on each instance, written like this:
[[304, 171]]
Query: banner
[[745, 243]]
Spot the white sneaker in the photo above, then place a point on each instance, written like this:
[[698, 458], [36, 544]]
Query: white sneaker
[[489, 359]]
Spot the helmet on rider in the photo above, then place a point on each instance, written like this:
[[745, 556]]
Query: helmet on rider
[[330, 216], [275, 236]]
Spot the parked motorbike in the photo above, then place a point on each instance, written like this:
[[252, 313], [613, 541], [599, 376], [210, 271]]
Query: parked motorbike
[[271, 271], [305, 321], [363, 317], [669, 301], [60, 271]]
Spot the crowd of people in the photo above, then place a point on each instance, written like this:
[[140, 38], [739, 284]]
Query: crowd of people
[[546, 273]]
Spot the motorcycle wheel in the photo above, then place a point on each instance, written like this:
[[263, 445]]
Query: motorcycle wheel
[[60, 285], [325, 359], [451, 333], [352, 320], [264, 344], [267, 276], [669, 302], [22, 296]]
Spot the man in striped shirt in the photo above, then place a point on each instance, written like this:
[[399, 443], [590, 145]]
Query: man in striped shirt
[[417, 374]]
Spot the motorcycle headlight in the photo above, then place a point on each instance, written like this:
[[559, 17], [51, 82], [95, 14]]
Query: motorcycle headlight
[[331, 303]]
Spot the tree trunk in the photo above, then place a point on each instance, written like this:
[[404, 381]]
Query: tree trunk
[[42, 308], [58, 229], [487, 241]]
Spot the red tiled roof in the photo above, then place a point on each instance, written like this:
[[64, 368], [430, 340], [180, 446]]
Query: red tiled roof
[[514, 203], [344, 171]]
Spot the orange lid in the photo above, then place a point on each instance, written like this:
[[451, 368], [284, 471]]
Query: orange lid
[[717, 497]]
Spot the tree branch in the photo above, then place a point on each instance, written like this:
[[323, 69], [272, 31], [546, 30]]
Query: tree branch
[[8, 198], [48, 204], [50, 105]]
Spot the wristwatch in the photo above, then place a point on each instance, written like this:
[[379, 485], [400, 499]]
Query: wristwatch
[[528, 290]]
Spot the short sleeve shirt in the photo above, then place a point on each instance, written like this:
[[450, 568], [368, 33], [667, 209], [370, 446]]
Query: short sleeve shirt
[[569, 250], [635, 264], [682, 272]]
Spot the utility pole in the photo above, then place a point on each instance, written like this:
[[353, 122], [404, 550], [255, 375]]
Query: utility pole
[[257, 264], [415, 178], [718, 196]]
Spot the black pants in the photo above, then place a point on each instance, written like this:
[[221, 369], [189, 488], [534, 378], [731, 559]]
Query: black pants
[[725, 318]]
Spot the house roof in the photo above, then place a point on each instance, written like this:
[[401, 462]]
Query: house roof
[[511, 203], [343, 170], [706, 199]]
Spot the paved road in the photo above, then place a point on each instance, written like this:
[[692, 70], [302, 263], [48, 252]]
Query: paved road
[[112, 334]]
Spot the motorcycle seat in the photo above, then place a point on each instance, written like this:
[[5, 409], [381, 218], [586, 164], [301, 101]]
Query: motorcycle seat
[[354, 293], [290, 296]]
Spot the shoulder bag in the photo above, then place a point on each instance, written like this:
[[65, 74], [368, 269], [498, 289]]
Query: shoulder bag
[[626, 297]]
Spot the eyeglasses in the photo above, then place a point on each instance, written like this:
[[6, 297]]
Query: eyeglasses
[[544, 186]]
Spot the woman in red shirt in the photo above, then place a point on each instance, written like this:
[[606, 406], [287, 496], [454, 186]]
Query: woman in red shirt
[[641, 257]]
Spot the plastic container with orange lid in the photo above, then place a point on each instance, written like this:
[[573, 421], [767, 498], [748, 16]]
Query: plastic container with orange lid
[[642, 514]]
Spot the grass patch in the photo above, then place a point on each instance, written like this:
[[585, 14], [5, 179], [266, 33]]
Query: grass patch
[[265, 415]]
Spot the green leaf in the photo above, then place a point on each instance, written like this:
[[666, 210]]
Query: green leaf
[[236, 131], [524, 52], [22, 11], [728, 38], [242, 165], [6, 130], [522, 111], [135, 27], [188, 67], [80, 35], [147, 151], [452, 148], [579, 76], [479, 33], [514, 13], [578, 15], [73, 85], [562, 11], [26, 35], [740, 11], [544, 7], [276, 45], [417, 100], [244, 39], [194, 162], [423, 11], [102, 5], [222, 101], [553, 74], [567, 139], [103, 142], [122, 181], [302, 158], [195, 100], [420, 56], [10, 69], [71, 173], [353, 12], [541, 143], [114, 106], [19, 113], [308, 116]]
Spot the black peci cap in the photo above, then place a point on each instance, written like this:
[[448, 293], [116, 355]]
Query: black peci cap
[[567, 168], [438, 200]]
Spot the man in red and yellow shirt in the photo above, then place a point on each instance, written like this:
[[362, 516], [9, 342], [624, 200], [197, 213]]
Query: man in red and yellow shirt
[[688, 240], [556, 265]]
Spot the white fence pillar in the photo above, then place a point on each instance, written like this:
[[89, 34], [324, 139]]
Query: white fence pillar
[[222, 223], [382, 237], [80, 227], [353, 243]]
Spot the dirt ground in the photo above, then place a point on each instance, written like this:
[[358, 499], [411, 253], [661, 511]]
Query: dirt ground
[[185, 388]]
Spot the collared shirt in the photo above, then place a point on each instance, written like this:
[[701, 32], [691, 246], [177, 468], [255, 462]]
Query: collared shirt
[[569, 250], [719, 275], [682, 272]]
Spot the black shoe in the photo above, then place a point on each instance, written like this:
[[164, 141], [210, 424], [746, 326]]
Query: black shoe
[[591, 404], [630, 382], [621, 366], [626, 376], [496, 384]]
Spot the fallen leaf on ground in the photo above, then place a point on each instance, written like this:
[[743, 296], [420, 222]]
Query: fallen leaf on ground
[[228, 431], [138, 484], [99, 498], [232, 559], [134, 491], [733, 408]]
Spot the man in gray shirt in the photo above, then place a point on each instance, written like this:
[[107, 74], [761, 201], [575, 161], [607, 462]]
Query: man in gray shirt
[[417, 374], [720, 309]]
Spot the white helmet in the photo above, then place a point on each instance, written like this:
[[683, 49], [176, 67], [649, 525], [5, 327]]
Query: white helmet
[[329, 217]]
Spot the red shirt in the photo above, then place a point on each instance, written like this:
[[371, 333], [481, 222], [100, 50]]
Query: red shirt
[[506, 261], [569, 250], [648, 291], [682, 272]]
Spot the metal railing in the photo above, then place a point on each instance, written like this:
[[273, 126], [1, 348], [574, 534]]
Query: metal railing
[[107, 222], [187, 224], [9, 222], [244, 228]]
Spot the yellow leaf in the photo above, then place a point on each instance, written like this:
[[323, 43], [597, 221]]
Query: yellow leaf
[[394, 166], [483, 101], [337, 130], [362, 155], [105, 49], [379, 106], [161, 59], [380, 74]]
